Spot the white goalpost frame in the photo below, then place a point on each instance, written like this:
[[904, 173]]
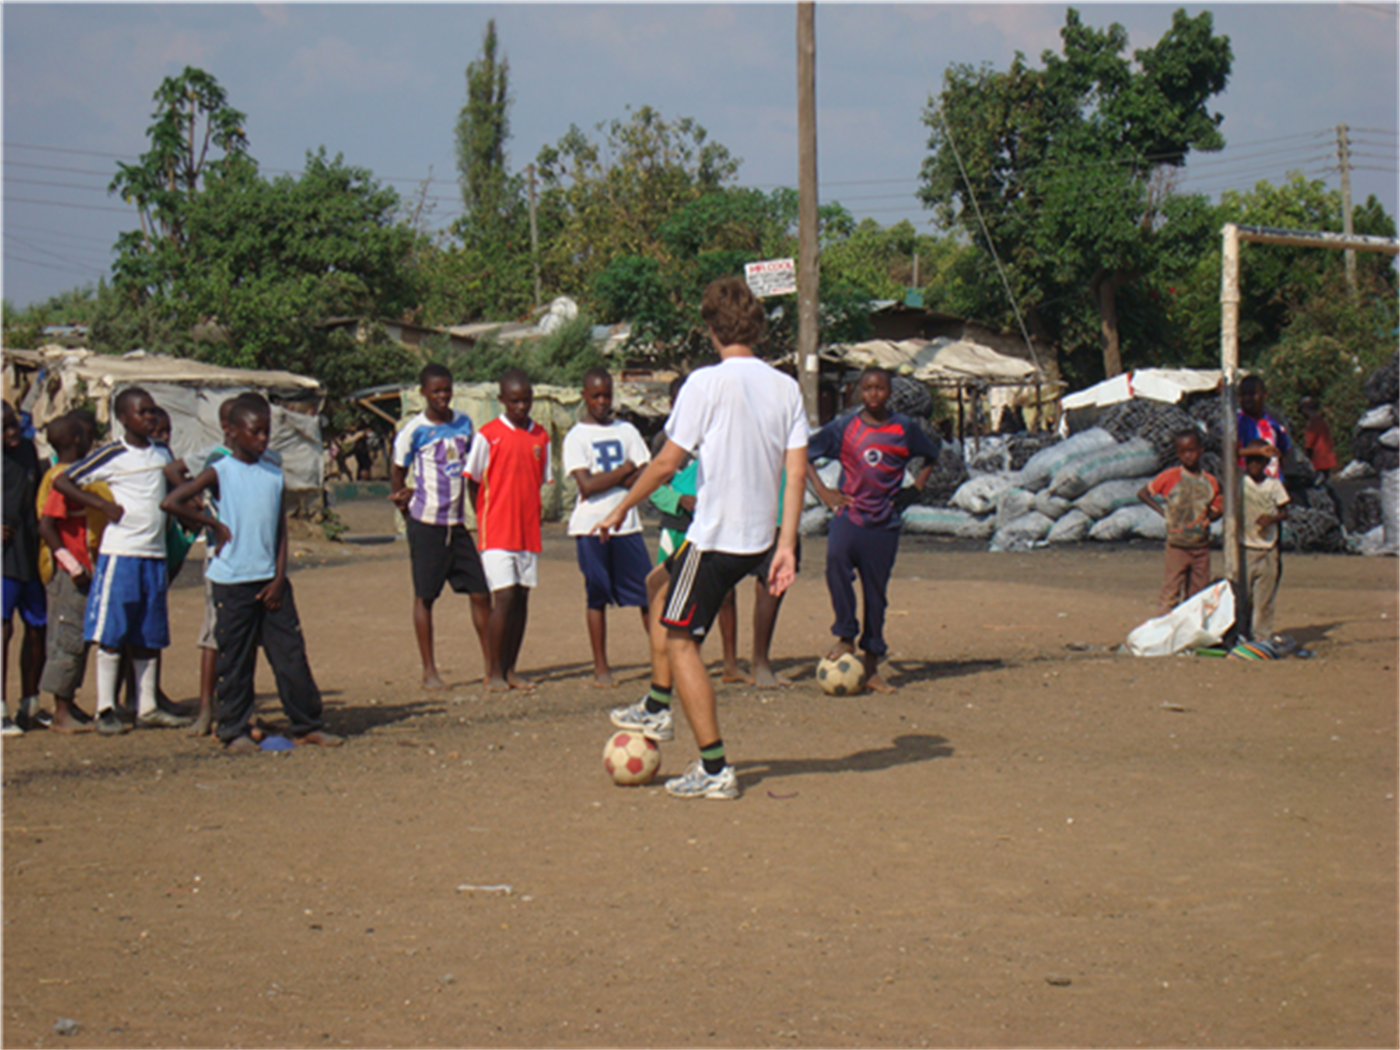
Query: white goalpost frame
[[1232, 234]]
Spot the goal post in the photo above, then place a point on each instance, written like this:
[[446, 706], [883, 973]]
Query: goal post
[[1232, 235]]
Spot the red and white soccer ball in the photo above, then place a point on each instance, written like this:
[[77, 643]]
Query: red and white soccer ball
[[631, 758]]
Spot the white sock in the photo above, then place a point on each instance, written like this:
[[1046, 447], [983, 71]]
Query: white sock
[[108, 665], [145, 686]]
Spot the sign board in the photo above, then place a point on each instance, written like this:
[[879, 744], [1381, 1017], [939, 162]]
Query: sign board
[[771, 277]]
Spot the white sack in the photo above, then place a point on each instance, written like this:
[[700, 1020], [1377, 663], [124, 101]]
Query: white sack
[[1071, 528], [1052, 507], [1382, 417], [1131, 459], [935, 521], [1125, 523], [1201, 620], [1106, 497], [1041, 467], [1022, 532], [978, 495], [1012, 503]]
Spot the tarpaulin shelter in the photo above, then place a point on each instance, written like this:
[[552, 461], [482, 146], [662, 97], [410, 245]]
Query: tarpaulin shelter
[[968, 369], [50, 381]]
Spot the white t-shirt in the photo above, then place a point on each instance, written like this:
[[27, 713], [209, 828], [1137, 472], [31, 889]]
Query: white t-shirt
[[137, 480], [738, 417], [599, 449], [1262, 498]]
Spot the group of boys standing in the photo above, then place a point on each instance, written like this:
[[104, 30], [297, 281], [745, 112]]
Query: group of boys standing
[[1189, 498], [738, 500], [113, 502]]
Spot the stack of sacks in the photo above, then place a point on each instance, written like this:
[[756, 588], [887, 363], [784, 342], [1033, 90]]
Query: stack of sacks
[[1064, 490], [1376, 444]]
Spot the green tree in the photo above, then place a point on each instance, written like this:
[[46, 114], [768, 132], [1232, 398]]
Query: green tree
[[483, 128], [601, 202], [265, 263], [1064, 165], [192, 118]]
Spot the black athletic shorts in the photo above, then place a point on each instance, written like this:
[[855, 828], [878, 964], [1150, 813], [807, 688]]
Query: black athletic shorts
[[699, 582], [444, 554]]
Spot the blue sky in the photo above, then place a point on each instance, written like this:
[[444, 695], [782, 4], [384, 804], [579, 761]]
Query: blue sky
[[382, 84]]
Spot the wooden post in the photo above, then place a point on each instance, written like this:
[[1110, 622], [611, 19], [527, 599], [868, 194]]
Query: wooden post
[[1236, 570], [1344, 160], [534, 235], [807, 272]]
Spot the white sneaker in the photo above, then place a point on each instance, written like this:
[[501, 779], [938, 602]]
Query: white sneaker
[[696, 783], [654, 725]]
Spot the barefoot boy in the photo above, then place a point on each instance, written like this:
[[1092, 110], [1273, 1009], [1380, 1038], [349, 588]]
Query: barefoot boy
[[249, 573], [745, 422], [63, 526], [507, 465], [126, 607], [604, 456], [433, 447], [873, 445], [1265, 507], [1189, 498]]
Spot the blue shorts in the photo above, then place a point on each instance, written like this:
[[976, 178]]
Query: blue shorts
[[614, 573], [126, 603], [30, 598]]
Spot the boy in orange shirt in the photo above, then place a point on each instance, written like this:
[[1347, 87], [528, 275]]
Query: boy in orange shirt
[[505, 468], [1189, 498]]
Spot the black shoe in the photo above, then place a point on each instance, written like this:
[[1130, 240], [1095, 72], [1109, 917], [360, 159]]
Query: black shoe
[[9, 728], [109, 723], [30, 716]]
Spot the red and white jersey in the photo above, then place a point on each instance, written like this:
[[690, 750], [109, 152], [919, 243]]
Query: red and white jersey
[[510, 465]]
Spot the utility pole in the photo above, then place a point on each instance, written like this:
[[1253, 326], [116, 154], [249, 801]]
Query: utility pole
[[1344, 159], [534, 235], [807, 273]]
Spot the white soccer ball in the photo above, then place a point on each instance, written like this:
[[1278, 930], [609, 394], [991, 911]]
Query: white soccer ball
[[843, 676], [630, 758]]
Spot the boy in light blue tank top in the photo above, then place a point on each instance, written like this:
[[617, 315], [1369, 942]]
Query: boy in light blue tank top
[[248, 571]]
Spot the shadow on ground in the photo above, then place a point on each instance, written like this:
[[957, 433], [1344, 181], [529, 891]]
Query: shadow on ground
[[905, 750]]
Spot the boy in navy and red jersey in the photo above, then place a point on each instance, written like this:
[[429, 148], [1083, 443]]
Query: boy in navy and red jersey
[[506, 466], [434, 446], [1256, 425], [874, 446]]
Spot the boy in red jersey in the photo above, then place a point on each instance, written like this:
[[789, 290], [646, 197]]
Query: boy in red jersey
[[507, 464]]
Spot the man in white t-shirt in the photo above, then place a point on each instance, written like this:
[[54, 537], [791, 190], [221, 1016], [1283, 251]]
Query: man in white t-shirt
[[605, 456], [744, 421]]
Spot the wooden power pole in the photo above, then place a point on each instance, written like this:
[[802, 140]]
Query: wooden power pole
[[1344, 161], [807, 272], [534, 235]]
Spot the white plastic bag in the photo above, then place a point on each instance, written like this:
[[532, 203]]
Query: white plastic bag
[[1201, 620]]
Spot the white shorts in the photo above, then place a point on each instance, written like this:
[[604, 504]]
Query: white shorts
[[509, 568]]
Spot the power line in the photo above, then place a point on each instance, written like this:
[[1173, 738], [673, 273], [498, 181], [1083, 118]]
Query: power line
[[60, 204]]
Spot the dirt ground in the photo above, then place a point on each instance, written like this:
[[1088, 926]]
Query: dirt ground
[[1027, 845]]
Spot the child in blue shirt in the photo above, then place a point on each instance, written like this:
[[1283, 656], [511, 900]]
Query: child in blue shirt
[[874, 445], [248, 571]]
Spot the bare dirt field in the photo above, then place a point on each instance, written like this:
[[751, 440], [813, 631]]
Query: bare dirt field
[[1027, 845]]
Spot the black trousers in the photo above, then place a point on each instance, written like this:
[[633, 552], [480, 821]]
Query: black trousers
[[243, 623]]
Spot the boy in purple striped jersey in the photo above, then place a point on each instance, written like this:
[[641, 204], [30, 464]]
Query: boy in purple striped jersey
[[433, 446]]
